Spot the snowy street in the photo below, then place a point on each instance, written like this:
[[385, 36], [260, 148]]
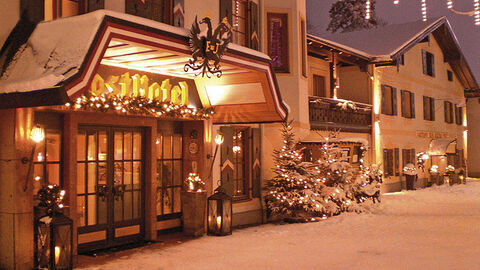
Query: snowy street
[[433, 228]]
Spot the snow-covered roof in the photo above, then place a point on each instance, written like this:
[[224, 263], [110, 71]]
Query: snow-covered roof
[[385, 44], [381, 42]]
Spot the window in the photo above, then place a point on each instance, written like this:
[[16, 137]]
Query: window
[[319, 88], [240, 154], [157, 10], [402, 60], [389, 100], [244, 18], [428, 108], [450, 75], [240, 161], [458, 115], [47, 159], [408, 156], [408, 104], [428, 63], [239, 18], [169, 145], [277, 33], [448, 110], [391, 162]]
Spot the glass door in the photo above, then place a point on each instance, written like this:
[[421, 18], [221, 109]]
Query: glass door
[[110, 183]]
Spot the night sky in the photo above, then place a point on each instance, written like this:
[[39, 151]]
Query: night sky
[[467, 33]]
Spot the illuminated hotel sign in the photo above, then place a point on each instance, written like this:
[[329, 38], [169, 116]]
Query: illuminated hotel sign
[[130, 83]]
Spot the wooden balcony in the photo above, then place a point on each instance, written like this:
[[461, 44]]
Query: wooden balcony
[[330, 114]]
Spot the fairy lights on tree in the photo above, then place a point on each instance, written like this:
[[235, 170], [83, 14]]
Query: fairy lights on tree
[[305, 191]]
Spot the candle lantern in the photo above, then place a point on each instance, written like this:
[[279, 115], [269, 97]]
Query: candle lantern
[[53, 237], [219, 213]]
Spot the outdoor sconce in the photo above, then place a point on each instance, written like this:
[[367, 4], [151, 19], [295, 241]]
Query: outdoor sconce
[[53, 242], [37, 135], [219, 213]]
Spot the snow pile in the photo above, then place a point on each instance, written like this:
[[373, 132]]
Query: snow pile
[[434, 228]]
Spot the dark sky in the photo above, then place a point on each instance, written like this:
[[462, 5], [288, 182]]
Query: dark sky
[[467, 33]]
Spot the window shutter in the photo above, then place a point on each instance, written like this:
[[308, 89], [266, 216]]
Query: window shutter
[[397, 162], [445, 110], [226, 160], [460, 114], [433, 65], [424, 62], [412, 104], [394, 101], [425, 109], [384, 103], [385, 162], [390, 161], [456, 114], [254, 27], [256, 165], [404, 157], [412, 156], [432, 105], [402, 101], [226, 10]]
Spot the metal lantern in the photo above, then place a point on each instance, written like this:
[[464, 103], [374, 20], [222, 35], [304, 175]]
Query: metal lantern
[[53, 242], [219, 213]]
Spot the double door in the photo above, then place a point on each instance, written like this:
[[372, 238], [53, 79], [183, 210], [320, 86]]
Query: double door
[[110, 186]]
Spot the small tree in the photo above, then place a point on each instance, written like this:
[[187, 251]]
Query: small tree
[[290, 193], [350, 15]]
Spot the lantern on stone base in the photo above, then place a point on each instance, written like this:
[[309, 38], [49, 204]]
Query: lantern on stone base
[[53, 242], [219, 213], [53, 231]]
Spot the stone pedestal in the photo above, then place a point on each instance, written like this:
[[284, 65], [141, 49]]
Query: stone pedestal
[[193, 207], [16, 196]]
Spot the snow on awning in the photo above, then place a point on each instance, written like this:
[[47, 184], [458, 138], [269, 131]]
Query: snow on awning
[[61, 58], [438, 147]]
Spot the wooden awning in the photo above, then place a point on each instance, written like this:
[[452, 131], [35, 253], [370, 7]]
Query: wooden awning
[[247, 92]]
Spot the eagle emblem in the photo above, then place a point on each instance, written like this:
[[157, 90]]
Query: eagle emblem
[[207, 47]]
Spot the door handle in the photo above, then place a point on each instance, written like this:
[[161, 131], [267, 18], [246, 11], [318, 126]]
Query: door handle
[[118, 191], [101, 191]]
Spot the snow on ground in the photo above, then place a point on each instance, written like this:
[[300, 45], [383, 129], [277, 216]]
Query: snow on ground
[[433, 228]]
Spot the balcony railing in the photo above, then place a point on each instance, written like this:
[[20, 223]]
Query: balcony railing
[[327, 113]]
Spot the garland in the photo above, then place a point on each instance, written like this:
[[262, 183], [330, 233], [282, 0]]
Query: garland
[[138, 105]]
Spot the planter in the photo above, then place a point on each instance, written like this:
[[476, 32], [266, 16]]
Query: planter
[[193, 207], [410, 179]]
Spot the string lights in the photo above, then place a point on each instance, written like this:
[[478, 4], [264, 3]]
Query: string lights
[[396, 2], [368, 10], [138, 105], [424, 10], [477, 12], [449, 4]]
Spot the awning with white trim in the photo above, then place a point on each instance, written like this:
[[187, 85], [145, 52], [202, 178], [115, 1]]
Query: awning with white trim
[[439, 147], [61, 58]]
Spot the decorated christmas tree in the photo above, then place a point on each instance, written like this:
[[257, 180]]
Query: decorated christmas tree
[[290, 193], [351, 15]]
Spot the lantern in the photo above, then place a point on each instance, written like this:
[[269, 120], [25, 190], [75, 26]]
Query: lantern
[[219, 213], [37, 134], [53, 242]]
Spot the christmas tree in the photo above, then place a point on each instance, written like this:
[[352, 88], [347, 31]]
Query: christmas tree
[[290, 193], [351, 15]]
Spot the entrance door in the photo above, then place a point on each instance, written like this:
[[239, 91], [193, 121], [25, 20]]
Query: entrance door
[[110, 181]]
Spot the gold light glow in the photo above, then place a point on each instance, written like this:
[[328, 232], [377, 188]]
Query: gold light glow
[[37, 134], [219, 222], [219, 139], [57, 254]]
